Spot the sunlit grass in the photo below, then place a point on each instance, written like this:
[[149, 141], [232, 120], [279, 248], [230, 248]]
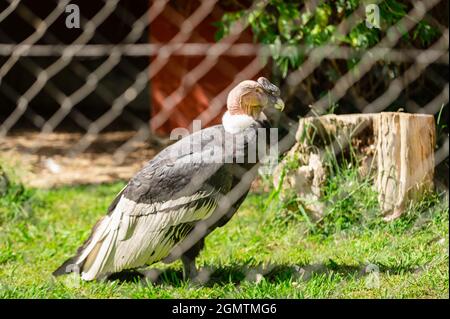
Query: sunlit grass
[[257, 254]]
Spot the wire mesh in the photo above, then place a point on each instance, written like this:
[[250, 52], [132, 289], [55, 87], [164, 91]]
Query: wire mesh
[[98, 144]]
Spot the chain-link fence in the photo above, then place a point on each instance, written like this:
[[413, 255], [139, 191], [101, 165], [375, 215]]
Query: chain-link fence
[[94, 103], [100, 92]]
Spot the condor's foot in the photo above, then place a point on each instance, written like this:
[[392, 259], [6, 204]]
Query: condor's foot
[[189, 269]]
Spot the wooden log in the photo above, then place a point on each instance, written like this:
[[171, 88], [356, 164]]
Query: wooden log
[[4, 182], [320, 141], [405, 159], [397, 148], [338, 136]]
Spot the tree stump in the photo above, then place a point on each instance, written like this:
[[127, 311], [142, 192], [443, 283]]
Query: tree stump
[[4, 182], [405, 159], [397, 148]]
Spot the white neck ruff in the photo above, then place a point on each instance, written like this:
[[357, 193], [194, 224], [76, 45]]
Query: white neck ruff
[[236, 123]]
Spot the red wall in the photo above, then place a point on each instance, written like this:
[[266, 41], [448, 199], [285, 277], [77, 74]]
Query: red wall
[[168, 79]]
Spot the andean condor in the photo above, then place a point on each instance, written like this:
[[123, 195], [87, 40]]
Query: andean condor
[[178, 189]]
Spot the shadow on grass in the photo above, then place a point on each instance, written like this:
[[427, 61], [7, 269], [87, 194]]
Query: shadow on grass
[[236, 274]]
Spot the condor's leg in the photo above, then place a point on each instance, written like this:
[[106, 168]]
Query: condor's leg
[[188, 259]]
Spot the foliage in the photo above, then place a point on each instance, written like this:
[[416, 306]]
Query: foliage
[[293, 262], [15, 199], [289, 28], [412, 260]]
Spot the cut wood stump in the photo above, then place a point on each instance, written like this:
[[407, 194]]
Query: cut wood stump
[[405, 159], [396, 148]]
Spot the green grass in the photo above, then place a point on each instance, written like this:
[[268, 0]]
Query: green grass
[[39, 229]]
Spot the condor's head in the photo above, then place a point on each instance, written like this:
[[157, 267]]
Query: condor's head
[[246, 102]]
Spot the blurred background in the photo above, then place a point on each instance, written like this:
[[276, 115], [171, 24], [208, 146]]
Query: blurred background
[[83, 106], [93, 104]]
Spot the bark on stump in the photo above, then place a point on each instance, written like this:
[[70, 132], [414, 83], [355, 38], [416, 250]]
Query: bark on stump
[[397, 147]]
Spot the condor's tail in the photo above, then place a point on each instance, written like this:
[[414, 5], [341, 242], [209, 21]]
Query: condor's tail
[[87, 251]]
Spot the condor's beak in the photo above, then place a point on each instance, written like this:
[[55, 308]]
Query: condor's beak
[[279, 104]]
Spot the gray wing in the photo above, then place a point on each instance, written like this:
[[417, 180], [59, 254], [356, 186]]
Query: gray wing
[[179, 170], [179, 187]]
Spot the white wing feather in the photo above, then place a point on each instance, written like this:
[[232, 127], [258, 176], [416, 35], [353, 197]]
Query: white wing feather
[[136, 234]]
